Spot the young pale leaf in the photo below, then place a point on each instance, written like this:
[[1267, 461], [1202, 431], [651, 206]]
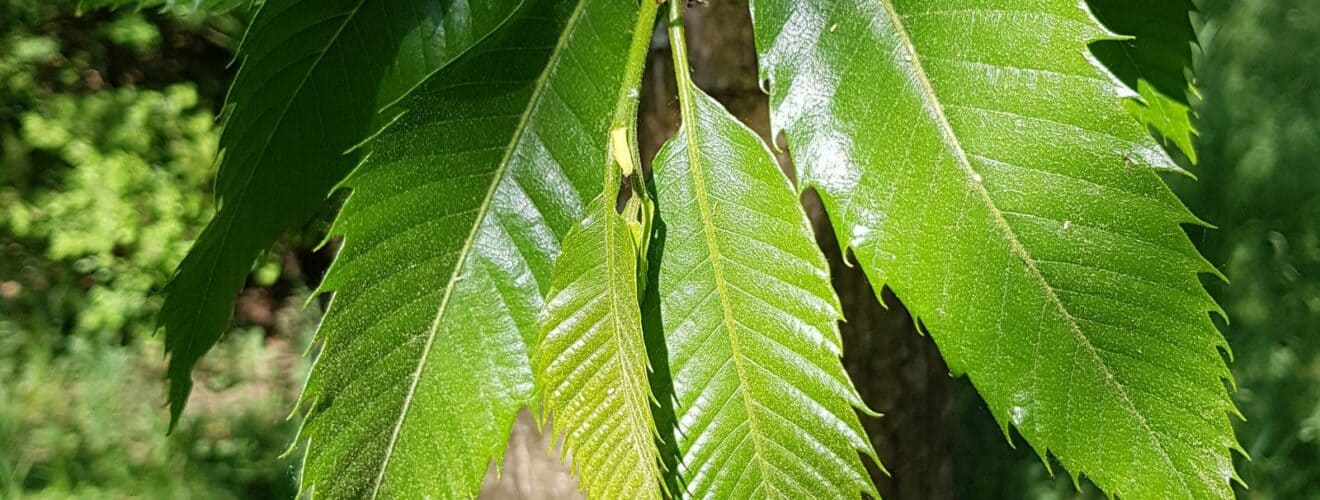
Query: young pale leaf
[[591, 359], [976, 162], [314, 75], [1154, 62], [450, 232], [764, 408]]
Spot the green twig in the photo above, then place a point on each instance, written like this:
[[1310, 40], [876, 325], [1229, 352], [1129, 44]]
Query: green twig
[[623, 129], [682, 71]]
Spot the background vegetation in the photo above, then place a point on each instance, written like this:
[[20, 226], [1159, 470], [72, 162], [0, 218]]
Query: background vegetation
[[108, 131], [107, 137]]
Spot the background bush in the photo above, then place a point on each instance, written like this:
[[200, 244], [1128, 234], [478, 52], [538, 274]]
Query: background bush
[[107, 140]]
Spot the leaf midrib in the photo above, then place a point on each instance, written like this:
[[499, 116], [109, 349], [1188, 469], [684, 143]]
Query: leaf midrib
[[949, 138], [533, 103], [686, 102], [635, 404]]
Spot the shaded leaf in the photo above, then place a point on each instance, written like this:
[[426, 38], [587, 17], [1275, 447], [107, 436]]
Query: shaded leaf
[[1154, 63], [976, 162], [450, 232], [313, 76], [764, 407]]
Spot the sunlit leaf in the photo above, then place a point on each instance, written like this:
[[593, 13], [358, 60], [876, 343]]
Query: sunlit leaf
[[314, 74], [764, 408], [976, 161], [592, 364], [450, 232]]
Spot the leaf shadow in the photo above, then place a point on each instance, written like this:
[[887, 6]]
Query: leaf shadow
[[662, 384]]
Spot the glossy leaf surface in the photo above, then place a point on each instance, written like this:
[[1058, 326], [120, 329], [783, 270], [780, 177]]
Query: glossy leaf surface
[[313, 76], [450, 233], [591, 360], [1154, 61], [764, 408], [977, 162]]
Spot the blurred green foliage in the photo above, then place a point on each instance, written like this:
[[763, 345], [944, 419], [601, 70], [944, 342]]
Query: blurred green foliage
[[214, 6], [107, 141], [1259, 183], [127, 170]]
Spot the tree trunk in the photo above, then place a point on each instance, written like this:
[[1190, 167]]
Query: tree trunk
[[897, 371]]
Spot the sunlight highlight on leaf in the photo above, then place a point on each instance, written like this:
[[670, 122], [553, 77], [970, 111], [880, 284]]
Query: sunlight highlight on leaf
[[450, 233], [763, 406], [314, 74], [977, 161]]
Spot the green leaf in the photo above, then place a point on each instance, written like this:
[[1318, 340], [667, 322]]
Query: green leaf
[[976, 162], [764, 407], [314, 75], [449, 238], [591, 359], [1154, 62]]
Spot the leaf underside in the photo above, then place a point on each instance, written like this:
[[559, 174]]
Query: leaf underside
[[313, 76], [592, 363], [450, 232], [763, 406], [975, 161]]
